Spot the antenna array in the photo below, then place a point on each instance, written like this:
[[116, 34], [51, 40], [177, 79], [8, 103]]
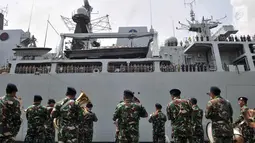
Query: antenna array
[[192, 13]]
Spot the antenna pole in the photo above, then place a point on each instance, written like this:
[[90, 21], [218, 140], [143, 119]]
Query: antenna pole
[[31, 15], [151, 12], [46, 33]]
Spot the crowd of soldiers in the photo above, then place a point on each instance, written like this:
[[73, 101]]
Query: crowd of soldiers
[[76, 122]]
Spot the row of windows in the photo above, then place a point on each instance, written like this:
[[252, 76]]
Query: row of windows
[[131, 67], [199, 67], [43, 68], [96, 67], [79, 67]]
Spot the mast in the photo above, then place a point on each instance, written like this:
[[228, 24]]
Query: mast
[[203, 28], [31, 13], [46, 31], [151, 13]]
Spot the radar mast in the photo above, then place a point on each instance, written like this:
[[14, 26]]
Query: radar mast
[[4, 12], [203, 28]]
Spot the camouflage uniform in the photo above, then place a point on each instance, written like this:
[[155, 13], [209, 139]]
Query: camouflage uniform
[[247, 132], [36, 118], [10, 119], [197, 117], [86, 130], [128, 114], [70, 114], [179, 111], [50, 130], [158, 121], [220, 112]]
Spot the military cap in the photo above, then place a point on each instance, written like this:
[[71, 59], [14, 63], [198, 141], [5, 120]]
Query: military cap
[[37, 98], [215, 90], [70, 91], [89, 105], [128, 93], [193, 100], [243, 99], [11, 88], [50, 101], [175, 92], [158, 106]]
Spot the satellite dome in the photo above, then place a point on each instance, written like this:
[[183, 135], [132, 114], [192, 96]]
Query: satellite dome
[[82, 10], [172, 41]]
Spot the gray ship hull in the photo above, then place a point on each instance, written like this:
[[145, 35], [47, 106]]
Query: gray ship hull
[[105, 91]]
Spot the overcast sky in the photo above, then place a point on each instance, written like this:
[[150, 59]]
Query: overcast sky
[[121, 12]]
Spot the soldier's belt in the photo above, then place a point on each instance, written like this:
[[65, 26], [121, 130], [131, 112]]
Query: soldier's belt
[[221, 121], [133, 122]]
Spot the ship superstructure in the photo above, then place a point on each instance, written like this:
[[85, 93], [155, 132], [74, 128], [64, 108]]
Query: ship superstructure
[[135, 62]]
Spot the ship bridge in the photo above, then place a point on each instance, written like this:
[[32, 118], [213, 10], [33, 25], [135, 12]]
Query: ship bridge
[[224, 31], [198, 47]]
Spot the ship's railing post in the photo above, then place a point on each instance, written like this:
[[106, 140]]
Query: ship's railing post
[[248, 55], [61, 46], [216, 54], [155, 47]]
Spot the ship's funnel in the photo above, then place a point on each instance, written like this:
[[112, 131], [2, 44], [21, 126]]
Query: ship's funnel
[[1, 21]]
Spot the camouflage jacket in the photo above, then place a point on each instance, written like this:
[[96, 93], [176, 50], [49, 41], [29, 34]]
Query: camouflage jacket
[[220, 112], [87, 123], [158, 121], [197, 118], [247, 131], [69, 113], [36, 118], [128, 114], [179, 111], [49, 123], [10, 119]]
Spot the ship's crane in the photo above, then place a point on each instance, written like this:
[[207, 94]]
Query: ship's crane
[[98, 24], [4, 11]]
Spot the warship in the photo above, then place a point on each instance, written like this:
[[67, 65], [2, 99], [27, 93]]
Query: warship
[[135, 62]]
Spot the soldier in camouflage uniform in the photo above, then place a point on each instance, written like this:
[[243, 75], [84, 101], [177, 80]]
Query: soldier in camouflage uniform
[[220, 112], [50, 130], [70, 114], [128, 114], [158, 120], [179, 111], [197, 126], [135, 100], [36, 118], [86, 130], [247, 132], [10, 115]]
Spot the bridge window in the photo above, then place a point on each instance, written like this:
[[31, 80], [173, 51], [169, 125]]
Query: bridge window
[[117, 67], [141, 66], [88, 67], [32, 68]]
